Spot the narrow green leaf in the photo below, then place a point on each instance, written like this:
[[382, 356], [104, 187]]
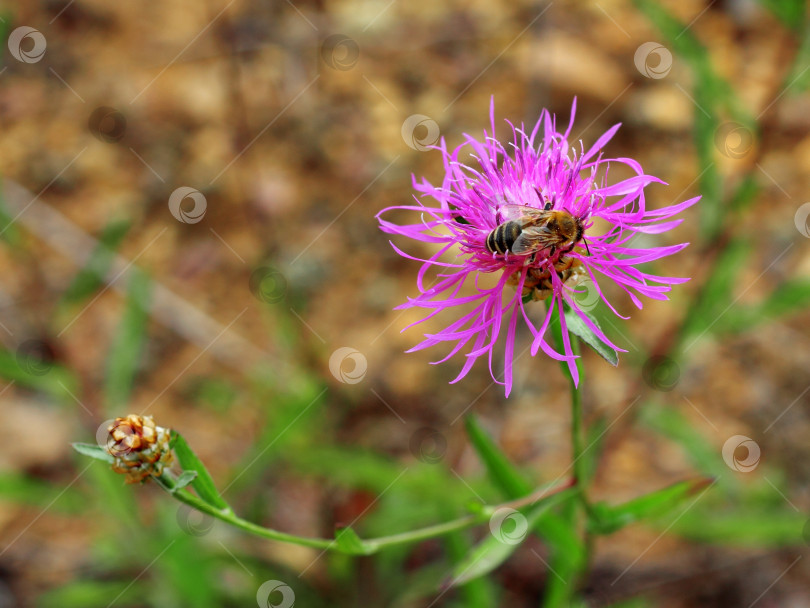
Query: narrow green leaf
[[789, 12], [125, 351], [579, 328], [744, 526], [607, 519], [713, 297], [92, 594], [91, 277], [671, 423], [502, 541], [8, 229], [348, 542], [185, 478], [44, 376], [203, 484], [477, 593], [94, 451], [567, 559], [502, 472]]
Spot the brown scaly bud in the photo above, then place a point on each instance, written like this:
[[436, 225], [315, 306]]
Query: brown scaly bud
[[139, 447]]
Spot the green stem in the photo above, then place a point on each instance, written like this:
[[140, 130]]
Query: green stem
[[367, 546]]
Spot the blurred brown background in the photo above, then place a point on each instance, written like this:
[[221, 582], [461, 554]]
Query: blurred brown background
[[288, 118]]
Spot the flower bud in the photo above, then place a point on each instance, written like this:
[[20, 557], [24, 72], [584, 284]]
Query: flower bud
[[139, 447]]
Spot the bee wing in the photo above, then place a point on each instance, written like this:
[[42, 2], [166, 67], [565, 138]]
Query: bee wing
[[533, 238], [522, 213]]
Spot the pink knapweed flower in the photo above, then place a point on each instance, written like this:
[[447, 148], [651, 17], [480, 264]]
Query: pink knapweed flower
[[578, 228]]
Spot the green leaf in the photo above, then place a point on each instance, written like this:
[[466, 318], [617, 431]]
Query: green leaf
[[94, 451], [477, 593], [790, 297], [579, 328], [348, 542], [91, 277], [607, 519], [93, 594], [671, 423], [789, 12], [8, 229], [714, 295], [502, 472], [203, 484], [47, 377], [185, 478], [713, 97], [501, 542], [744, 526], [567, 559], [125, 351]]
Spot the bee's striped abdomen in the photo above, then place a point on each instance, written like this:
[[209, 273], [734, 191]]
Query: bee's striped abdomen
[[503, 237]]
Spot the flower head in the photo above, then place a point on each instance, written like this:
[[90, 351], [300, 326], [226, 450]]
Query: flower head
[[530, 220], [139, 447]]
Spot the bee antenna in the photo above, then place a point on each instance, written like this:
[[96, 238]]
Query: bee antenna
[[586, 246]]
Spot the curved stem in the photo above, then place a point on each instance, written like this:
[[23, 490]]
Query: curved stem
[[367, 546]]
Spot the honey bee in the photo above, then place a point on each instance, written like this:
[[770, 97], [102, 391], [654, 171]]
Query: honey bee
[[528, 230]]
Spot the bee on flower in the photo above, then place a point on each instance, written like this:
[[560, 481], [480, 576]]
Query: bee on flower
[[523, 212]]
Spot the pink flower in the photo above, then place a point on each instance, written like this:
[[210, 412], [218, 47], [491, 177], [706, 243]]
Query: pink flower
[[551, 180]]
